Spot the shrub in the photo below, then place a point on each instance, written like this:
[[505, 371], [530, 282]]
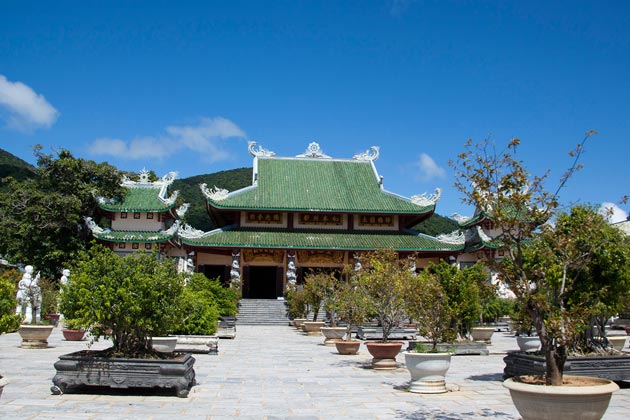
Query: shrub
[[9, 321]]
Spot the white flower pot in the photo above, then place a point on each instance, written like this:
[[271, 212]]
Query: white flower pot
[[528, 343], [427, 372]]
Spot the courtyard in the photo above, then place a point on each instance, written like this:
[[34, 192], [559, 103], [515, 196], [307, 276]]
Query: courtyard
[[271, 372]]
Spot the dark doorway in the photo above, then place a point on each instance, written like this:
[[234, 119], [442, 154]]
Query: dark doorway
[[262, 283], [220, 272]]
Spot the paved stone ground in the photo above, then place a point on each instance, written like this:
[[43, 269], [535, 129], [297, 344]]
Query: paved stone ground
[[271, 372]]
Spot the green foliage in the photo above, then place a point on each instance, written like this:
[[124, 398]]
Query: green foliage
[[40, 217], [496, 307], [384, 279], [225, 298], [200, 313], [50, 296], [9, 321], [317, 287], [14, 167], [136, 297], [296, 302], [351, 301], [197, 215]]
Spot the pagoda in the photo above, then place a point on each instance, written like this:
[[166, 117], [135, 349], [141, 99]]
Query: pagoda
[[145, 218], [308, 212]]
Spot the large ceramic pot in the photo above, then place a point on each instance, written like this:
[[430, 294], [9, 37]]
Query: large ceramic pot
[[3, 381], [333, 334], [384, 354], [35, 336], [297, 322], [349, 347], [483, 334], [312, 327], [73, 335], [528, 343], [618, 342], [427, 372], [575, 402]]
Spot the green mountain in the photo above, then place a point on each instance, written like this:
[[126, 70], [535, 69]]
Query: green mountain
[[11, 165], [197, 215]]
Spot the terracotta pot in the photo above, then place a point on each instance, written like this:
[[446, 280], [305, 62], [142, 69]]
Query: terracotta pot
[[539, 402], [53, 319], [312, 327], [35, 336], [427, 372], [333, 334], [348, 347], [73, 335], [384, 354]]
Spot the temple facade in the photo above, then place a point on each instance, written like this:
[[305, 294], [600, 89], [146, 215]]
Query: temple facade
[[308, 212]]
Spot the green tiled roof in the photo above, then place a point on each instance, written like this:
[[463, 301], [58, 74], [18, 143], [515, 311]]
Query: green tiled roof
[[320, 239], [323, 185], [475, 220], [132, 236], [138, 200]]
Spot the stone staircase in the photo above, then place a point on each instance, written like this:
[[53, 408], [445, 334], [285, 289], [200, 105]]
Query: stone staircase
[[262, 312]]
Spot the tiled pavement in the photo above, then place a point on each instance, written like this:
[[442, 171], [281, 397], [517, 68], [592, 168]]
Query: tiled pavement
[[272, 372]]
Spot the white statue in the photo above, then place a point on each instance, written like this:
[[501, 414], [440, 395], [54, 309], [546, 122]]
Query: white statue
[[29, 296], [64, 276]]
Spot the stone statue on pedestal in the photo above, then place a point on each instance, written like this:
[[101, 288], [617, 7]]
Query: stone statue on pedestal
[[29, 296]]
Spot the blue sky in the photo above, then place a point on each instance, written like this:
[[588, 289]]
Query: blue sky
[[184, 85]]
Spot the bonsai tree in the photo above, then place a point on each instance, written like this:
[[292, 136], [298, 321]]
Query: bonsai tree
[[296, 302], [350, 301], [546, 265], [135, 298], [317, 286], [383, 279], [9, 320]]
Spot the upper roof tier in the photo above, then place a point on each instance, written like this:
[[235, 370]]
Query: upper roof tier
[[315, 182], [143, 195]]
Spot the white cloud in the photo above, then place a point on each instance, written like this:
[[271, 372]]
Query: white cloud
[[429, 170], [26, 110], [613, 212], [205, 138]]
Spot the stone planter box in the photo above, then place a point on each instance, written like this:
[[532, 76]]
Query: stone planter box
[[456, 349], [615, 368], [92, 368], [197, 344], [226, 327], [367, 332]]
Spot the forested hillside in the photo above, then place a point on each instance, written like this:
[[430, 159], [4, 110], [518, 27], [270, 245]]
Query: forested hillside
[[235, 179], [11, 165]]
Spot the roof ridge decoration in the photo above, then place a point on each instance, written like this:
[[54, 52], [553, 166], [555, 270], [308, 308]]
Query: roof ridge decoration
[[214, 194], [482, 234], [181, 210], [370, 155], [190, 232], [456, 237], [426, 200], [91, 224], [260, 152], [162, 183], [314, 151]]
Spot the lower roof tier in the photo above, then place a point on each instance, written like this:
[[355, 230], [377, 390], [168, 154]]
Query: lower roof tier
[[232, 236], [133, 236]]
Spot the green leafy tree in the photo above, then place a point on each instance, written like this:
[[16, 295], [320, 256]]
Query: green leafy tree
[[135, 298], [9, 321], [545, 263], [384, 278], [317, 286], [41, 217], [351, 301]]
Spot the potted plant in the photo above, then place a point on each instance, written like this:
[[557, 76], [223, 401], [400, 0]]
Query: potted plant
[[297, 305], [9, 321], [331, 303], [29, 304], [72, 330], [548, 266], [351, 309], [316, 286], [203, 300], [137, 298], [383, 279], [428, 302]]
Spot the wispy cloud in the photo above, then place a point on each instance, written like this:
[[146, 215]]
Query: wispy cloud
[[206, 139], [25, 109], [428, 169], [613, 212]]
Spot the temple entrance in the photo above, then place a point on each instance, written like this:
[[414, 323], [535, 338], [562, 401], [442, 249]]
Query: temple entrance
[[262, 282]]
